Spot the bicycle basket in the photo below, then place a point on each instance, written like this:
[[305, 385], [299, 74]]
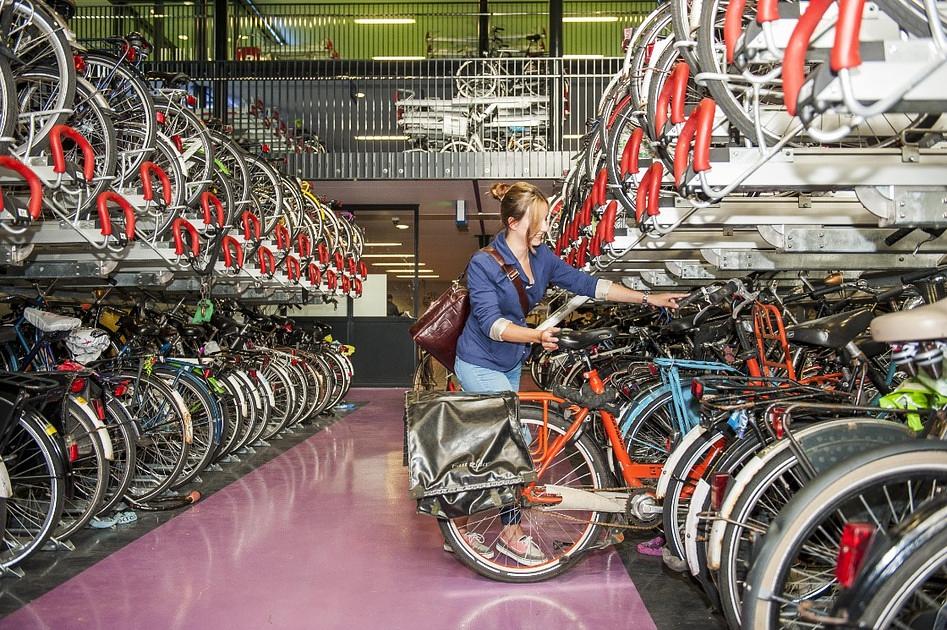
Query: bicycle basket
[[465, 452]]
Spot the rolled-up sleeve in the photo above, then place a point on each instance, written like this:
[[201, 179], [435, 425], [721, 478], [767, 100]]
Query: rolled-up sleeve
[[568, 277], [484, 302]]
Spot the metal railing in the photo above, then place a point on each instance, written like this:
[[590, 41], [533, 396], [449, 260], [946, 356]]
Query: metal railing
[[449, 118], [184, 31]]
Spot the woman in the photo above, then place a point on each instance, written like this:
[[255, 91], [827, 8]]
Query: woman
[[494, 343]]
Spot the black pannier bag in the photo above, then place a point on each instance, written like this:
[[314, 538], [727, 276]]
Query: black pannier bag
[[465, 453]]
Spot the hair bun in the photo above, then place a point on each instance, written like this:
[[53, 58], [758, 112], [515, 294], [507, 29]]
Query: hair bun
[[499, 191]]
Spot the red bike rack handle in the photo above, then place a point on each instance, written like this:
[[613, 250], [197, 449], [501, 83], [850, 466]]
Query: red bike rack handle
[[146, 170], [629, 156], [331, 280], [102, 204], [582, 254], [248, 217], [315, 277], [266, 260], [362, 269], [282, 237], [595, 247], [350, 265], [232, 251], [346, 284], [303, 245], [339, 263], [698, 129], [672, 97], [36, 186], [609, 218], [178, 227], [846, 51], [292, 268], [733, 26], [766, 11], [358, 287], [599, 188], [323, 254], [59, 155], [585, 217], [649, 192], [794, 59], [209, 199]]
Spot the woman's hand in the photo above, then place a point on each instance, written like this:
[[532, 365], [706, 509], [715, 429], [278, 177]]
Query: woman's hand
[[666, 300], [548, 338]]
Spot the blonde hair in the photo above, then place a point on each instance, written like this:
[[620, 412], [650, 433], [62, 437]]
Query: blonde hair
[[518, 200]]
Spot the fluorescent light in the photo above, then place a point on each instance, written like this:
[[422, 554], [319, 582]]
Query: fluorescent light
[[403, 226], [384, 20], [419, 277], [383, 244], [396, 264], [572, 136], [244, 37], [387, 255], [396, 58], [420, 271], [360, 95], [591, 18], [392, 138], [583, 56], [184, 37]]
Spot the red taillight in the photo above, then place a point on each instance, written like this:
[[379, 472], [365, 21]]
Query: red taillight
[[121, 389], [73, 452], [78, 386], [178, 142], [160, 117], [99, 409], [653, 369], [856, 538], [191, 100], [697, 389], [777, 420], [130, 54], [265, 148], [718, 490], [252, 373], [79, 63], [208, 373]]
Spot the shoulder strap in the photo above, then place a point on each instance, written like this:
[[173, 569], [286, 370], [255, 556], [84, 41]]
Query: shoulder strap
[[513, 275]]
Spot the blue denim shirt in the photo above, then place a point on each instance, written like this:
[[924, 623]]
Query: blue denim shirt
[[493, 296]]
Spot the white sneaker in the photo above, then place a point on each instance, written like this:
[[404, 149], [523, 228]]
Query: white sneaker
[[476, 543], [524, 550]]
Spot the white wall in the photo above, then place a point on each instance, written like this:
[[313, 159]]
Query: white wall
[[373, 302]]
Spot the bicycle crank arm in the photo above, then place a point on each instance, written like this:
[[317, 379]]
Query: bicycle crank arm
[[585, 501]]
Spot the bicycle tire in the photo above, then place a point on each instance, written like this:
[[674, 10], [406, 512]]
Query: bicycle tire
[[122, 467], [584, 452]]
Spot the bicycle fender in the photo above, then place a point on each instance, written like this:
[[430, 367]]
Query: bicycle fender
[[667, 472]]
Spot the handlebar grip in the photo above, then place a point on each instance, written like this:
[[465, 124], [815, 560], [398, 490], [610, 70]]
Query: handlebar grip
[[914, 276], [105, 218], [890, 294], [145, 171], [629, 157], [733, 26], [846, 50], [59, 156], [692, 297], [794, 60], [35, 207], [209, 199]]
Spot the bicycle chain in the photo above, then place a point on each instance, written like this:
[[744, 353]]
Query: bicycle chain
[[639, 528]]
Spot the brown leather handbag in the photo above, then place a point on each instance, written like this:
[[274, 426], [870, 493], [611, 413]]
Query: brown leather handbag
[[439, 328]]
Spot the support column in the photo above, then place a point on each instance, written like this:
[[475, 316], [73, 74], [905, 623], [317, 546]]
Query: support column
[[220, 56], [555, 71], [484, 29]]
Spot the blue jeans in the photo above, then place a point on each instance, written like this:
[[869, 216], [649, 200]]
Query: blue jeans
[[481, 380]]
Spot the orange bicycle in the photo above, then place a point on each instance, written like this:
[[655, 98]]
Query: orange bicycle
[[574, 502]]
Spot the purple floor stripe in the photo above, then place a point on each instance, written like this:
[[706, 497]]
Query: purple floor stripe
[[323, 536]]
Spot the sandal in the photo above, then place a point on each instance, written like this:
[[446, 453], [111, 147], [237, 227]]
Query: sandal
[[651, 547]]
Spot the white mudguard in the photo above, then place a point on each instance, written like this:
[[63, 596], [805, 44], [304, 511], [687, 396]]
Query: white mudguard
[[665, 479]]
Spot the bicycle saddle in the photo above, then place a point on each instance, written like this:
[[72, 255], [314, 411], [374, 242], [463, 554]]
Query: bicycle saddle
[[579, 339], [7, 333], [148, 330], [924, 323], [170, 78], [535, 37], [834, 331], [192, 331], [51, 322]]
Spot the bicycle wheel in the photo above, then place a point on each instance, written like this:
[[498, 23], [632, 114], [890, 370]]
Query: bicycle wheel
[[34, 464], [284, 397], [164, 434], [88, 469], [562, 537], [122, 466], [234, 407], [431, 375], [476, 79], [772, 486], [796, 562], [7, 99], [205, 420]]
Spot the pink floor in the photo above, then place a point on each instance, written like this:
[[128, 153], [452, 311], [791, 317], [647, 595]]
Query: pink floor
[[323, 536]]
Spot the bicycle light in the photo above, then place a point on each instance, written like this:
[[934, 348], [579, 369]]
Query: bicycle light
[[697, 389], [856, 539], [78, 385]]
